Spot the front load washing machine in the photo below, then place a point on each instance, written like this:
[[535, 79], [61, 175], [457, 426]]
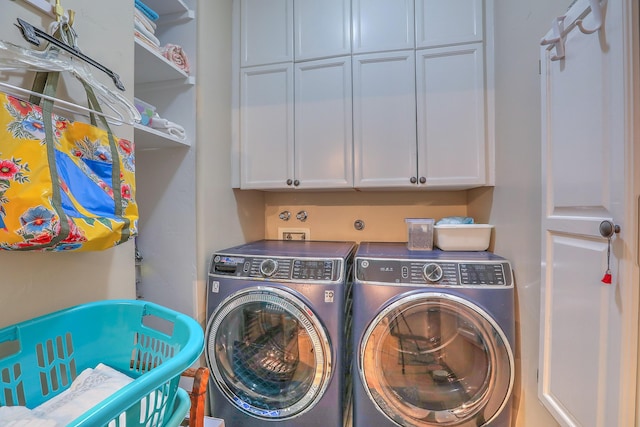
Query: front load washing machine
[[434, 338], [276, 333]]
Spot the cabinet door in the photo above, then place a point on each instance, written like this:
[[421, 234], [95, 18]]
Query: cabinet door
[[451, 115], [266, 31], [323, 130], [445, 22], [322, 28], [382, 25], [266, 126], [384, 119]]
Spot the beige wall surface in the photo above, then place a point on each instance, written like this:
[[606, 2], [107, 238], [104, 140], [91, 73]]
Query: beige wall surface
[[36, 283], [225, 217], [331, 216]]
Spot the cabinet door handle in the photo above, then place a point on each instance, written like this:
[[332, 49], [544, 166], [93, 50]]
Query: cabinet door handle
[[289, 181], [423, 180], [413, 179], [296, 182]]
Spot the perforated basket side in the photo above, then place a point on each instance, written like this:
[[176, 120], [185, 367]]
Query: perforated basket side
[[40, 358]]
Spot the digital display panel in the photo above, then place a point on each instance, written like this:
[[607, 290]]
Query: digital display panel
[[313, 269]]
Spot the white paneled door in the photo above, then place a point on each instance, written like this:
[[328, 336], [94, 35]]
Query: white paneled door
[[588, 340]]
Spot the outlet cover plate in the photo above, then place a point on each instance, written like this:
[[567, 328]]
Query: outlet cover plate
[[287, 233]]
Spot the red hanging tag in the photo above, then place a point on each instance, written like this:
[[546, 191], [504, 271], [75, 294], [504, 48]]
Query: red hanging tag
[[606, 279]]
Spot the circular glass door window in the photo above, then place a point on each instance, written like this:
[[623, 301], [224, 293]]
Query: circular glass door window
[[268, 353], [434, 359]]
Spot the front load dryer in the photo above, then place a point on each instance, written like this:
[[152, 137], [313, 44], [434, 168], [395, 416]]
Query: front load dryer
[[434, 338], [276, 333]]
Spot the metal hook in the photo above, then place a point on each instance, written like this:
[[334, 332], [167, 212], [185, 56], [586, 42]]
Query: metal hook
[[596, 11], [558, 39]]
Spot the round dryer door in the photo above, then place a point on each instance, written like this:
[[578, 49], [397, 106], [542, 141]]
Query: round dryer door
[[268, 353], [433, 359]]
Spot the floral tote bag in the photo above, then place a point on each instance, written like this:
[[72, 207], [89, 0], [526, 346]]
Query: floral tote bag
[[64, 185]]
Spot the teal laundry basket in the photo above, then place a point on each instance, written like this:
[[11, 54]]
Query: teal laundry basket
[[39, 358]]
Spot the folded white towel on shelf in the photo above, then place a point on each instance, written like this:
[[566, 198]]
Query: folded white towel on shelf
[[144, 39], [149, 35], [148, 23], [169, 127], [177, 132]]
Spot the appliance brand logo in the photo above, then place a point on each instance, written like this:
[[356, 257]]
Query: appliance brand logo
[[328, 296], [215, 286]]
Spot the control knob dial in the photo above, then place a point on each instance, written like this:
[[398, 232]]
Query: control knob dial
[[268, 267], [432, 272]]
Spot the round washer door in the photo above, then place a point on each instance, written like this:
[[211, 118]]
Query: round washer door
[[269, 354], [433, 359]]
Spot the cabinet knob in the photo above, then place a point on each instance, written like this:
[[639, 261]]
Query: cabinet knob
[[423, 180], [296, 182], [413, 179], [289, 181]]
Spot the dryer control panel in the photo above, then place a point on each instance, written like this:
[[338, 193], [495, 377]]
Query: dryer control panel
[[278, 268], [432, 272]]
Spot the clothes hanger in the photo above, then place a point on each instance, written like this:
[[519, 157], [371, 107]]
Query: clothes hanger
[[60, 104], [14, 57], [33, 34]]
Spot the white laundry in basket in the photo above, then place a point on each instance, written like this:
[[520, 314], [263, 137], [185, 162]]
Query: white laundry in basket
[[87, 390]]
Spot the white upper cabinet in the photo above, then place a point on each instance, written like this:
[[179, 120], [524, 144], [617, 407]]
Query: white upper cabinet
[[445, 22], [266, 126], [451, 115], [323, 124], [266, 31], [377, 94], [318, 154], [321, 29], [384, 120], [381, 25]]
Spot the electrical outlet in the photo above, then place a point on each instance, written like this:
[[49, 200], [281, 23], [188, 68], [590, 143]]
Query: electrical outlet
[[294, 233]]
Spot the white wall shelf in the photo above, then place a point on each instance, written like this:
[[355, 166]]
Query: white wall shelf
[[150, 138], [165, 165], [151, 66]]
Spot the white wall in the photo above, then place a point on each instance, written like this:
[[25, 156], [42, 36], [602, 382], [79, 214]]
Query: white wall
[[516, 204], [37, 283], [225, 217]]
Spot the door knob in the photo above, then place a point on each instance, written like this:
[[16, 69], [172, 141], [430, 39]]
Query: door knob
[[608, 229]]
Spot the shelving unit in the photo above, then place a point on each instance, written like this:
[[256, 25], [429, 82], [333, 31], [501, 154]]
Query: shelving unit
[[165, 165], [152, 67]]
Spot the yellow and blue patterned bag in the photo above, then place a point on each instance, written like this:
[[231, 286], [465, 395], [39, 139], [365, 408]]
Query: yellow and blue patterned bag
[[64, 185]]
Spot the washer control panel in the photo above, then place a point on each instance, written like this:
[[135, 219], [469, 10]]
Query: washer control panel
[[277, 268], [442, 273]]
